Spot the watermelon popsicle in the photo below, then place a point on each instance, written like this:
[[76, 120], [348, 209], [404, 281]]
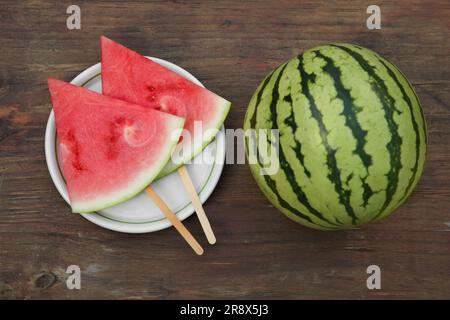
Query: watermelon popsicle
[[132, 77]]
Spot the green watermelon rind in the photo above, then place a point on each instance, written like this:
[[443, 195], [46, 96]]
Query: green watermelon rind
[[128, 193], [171, 166]]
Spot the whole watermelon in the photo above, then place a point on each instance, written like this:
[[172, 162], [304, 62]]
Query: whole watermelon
[[352, 137]]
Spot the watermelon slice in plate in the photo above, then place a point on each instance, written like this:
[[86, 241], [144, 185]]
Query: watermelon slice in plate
[[110, 149], [132, 77]]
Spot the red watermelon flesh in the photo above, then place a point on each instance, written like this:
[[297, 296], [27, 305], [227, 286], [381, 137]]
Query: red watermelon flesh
[[110, 149], [132, 77]]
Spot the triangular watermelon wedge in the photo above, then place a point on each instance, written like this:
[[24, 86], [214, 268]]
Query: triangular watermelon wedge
[[110, 149], [132, 77]]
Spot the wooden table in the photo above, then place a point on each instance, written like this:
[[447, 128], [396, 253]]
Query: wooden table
[[229, 46]]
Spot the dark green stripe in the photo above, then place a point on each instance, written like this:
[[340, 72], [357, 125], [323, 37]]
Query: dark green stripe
[[290, 122], [284, 164], [258, 99], [334, 175], [424, 125], [394, 144], [415, 127], [352, 123]]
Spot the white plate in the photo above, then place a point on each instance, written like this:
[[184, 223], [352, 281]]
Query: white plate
[[140, 214]]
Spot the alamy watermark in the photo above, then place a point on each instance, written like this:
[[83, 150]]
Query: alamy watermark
[[374, 20], [73, 22], [257, 146], [374, 280], [73, 281]]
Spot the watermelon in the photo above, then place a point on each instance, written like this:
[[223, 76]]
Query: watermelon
[[352, 137], [110, 149], [132, 77]]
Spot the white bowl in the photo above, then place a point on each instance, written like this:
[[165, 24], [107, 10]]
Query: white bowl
[[140, 214]]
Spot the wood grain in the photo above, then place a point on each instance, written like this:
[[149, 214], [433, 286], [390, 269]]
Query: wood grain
[[229, 46]]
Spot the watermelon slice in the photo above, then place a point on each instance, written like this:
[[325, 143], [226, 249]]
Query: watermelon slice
[[110, 149], [131, 77]]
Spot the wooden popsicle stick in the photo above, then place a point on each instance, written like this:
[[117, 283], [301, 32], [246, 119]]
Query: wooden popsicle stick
[[174, 220], [189, 186]]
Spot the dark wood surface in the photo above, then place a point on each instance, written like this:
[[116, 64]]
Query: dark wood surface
[[229, 46]]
